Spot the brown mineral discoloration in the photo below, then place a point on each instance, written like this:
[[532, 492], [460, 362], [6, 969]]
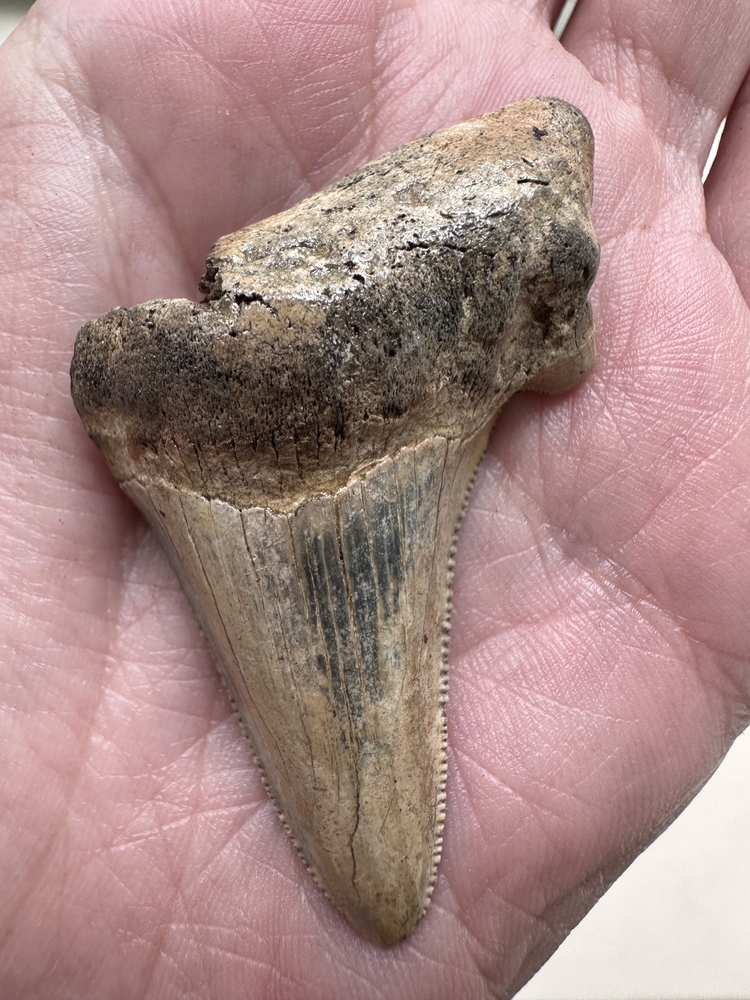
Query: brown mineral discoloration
[[303, 441]]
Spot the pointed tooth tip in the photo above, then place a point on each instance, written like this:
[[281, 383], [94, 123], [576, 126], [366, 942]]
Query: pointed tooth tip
[[386, 927]]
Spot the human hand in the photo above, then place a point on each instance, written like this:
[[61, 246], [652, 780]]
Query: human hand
[[599, 647]]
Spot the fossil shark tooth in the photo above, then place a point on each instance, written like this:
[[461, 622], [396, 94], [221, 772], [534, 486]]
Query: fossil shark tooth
[[303, 442]]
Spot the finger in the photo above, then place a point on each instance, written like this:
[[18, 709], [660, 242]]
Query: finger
[[680, 61], [727, 187]]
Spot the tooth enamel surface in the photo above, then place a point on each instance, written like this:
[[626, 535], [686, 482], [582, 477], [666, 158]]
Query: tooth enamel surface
[[303, 441]]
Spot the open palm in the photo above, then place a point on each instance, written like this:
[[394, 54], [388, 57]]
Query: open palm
[[599, 659]]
